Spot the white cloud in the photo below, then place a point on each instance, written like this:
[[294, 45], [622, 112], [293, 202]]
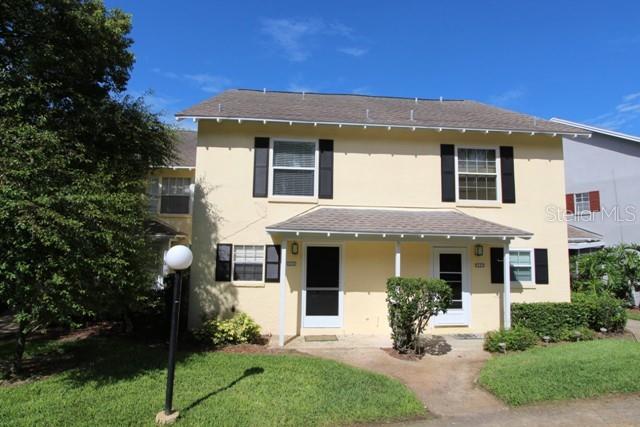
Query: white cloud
[[624, 114], [353, 51], [508, 97], [206, 82], [298, 37], [209, 82]]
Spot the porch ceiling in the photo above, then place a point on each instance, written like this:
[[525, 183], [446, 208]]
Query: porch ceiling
[[393, 222]]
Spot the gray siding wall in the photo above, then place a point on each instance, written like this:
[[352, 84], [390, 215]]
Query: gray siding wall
[[611, 166]]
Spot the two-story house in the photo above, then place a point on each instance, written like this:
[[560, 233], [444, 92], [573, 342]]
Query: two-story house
[[307, 203], [603, 196], [170, 195]]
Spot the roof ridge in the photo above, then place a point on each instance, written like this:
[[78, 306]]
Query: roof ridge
[[351, 94]]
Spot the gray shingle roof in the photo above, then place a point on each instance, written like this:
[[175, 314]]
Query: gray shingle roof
[[373, 110], [185, 149], [580, 234], [394, 221]]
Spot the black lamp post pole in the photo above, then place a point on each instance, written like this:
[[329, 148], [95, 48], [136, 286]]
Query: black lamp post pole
[[173, 342]]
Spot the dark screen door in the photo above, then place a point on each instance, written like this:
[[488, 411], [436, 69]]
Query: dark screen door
[[322, 286]]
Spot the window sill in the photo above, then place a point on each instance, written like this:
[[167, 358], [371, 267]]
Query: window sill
[[293, 199], [248, 284], [477, 204], [174, 215]]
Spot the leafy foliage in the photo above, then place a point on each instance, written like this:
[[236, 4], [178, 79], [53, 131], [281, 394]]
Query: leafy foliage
[[614, 271], [551, 319], [411, 303], [239, 329], [74, 153], [517, 338], [604, 311], [560, 320]]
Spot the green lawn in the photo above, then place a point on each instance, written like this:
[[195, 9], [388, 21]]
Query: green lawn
[[564, 371], [633, 314], [120, 382]]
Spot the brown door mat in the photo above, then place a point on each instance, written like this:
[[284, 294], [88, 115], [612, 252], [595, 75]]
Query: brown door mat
[[320, 338]]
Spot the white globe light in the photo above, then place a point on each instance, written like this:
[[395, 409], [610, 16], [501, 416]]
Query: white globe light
[[179, 257]]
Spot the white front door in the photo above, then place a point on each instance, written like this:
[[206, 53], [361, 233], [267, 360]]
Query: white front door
[[322, 287], [450, 265]]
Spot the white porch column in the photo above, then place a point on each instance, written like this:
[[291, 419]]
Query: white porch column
[[397, 270], [283, 291], [506, 290]]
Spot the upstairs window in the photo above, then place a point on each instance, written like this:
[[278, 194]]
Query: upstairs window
[[582, 203], [477, 174], [294, 168], [176, 196], [248, 261]]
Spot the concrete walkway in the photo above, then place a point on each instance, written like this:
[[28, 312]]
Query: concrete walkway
[[634, 327]]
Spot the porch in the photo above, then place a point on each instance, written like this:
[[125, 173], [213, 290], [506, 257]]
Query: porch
[[334, 263]]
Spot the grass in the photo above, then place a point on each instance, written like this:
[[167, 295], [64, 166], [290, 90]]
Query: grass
[[120, 382], [566, 371], [633, 314]]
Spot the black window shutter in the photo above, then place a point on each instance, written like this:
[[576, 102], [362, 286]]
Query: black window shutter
[[260, 167], [497, 270], [326, 169], [508, 177], [448, 172], [272, 264], [223, 262], [541, 258]]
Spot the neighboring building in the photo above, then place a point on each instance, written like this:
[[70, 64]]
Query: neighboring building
[[307, 203], [602, 182], [170, 192], [583, 241]]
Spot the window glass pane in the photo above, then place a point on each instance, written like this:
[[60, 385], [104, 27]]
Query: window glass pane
[[582, 202], [521, 274], [174, 204], [476, 160], [153, 193], [322, 303], [176, 186], [294, 154], [477, 187], [293, 182], [247, 262]]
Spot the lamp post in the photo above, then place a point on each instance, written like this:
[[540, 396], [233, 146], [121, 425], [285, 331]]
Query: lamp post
[[178, 258]]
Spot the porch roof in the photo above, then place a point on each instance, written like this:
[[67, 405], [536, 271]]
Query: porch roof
[[373, 221]]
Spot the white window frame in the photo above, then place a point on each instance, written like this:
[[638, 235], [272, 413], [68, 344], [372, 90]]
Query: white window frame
[[498, 174], [316, 168], [233, 263], [575, 203], [533, 265], [191, 192]]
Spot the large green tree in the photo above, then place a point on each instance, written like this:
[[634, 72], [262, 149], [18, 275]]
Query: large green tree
[[74, 152]]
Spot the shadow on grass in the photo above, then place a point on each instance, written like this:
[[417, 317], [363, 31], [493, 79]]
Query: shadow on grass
[[247, 373], [108, 360]]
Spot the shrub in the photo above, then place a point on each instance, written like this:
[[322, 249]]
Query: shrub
[[411, 303], [239, 329], [614, 271], [550, 319], [517, 338], [604, 311]]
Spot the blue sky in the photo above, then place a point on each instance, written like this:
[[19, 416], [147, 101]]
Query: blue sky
[[578, 60]]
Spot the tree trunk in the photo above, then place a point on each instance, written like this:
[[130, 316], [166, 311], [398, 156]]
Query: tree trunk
[[21, 343]]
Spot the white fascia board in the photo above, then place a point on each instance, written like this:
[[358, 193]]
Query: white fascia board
[[380, 125]]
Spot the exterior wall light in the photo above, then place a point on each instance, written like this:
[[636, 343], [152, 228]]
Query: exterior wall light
[[479, 250], [294, 248]]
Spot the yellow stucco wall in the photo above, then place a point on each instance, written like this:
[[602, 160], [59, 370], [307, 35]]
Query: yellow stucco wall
[[372, 167]]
